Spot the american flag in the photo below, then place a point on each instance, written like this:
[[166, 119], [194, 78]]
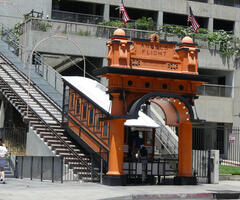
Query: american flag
[[124, 13], [192, 19]]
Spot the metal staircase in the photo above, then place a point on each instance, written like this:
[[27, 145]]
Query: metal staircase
[[165, 136], [44, 117]]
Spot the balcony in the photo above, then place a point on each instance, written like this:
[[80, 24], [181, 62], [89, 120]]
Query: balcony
[[215, 90]]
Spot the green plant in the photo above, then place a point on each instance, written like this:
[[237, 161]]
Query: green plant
[[17, 29], [84, 33], [44, 26], [145, 23], [114, 23]]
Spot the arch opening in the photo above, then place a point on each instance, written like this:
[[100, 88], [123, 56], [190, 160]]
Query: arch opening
[[176, 109]]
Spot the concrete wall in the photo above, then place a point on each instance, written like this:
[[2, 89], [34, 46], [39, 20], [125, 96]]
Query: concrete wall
[[12, 11], [35, 146], [89, 46], [215, 109]]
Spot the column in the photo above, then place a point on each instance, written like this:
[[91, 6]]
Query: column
[[160, 18], [115, 174], [237, 28], [106, 12], [185, 176], [210, 20], [210, 24]]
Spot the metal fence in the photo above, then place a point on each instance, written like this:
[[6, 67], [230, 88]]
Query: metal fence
[[39, 167], [224, 139], [158, 171], [201, 165]]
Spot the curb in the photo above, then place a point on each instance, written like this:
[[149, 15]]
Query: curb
[[227, 195]]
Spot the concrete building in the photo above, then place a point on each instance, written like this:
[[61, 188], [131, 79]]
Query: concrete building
[[77, 23]]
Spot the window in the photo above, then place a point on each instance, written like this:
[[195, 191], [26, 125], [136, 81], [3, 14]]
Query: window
[[78, 106], [97, 122], [105, 129], [91, 116], [72, 101], [84, 111]]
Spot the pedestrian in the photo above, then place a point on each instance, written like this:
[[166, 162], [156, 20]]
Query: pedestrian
[[3, 154], [143, 156]]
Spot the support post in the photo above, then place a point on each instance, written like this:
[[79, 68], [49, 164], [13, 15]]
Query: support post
[[185, 175], [115, 174]]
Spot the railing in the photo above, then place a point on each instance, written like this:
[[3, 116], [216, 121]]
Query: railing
[[82, 29], [155, 168], [76, 17], [163, 134], [41, 167], [215, 90], [101, 31], [48, 73], [43, 69]]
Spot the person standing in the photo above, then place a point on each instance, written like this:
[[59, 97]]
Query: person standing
[[3, 153], [143, 155]]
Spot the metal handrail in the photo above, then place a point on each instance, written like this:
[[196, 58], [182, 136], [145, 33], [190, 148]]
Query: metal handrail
[[19, 48], [35, 86], [50, 128]]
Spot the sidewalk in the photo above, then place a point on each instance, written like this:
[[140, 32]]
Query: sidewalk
[[24, 189]]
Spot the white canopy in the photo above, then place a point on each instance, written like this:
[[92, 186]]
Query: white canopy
[[97, 93]]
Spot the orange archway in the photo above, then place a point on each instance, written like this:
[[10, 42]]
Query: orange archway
[[157, 71]]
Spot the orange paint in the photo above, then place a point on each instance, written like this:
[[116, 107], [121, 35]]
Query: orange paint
[[152, 55], [185, 150], [157, 56]]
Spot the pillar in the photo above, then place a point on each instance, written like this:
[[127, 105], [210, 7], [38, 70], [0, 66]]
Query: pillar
[[210, 24], [160, 18], [237, 28], [106, 12], [185, 175], [210, 20], [115, 174]]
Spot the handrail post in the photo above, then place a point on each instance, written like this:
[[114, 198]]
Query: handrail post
[[92, 167], [52, 169], [101, 172], [22, 167], [61, 170], [16, 167], [41, 168], [31, 170]]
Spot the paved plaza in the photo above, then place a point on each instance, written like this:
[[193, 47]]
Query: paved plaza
[[24, 189]]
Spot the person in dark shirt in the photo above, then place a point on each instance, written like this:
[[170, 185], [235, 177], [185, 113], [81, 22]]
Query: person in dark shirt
[[143, 156]]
